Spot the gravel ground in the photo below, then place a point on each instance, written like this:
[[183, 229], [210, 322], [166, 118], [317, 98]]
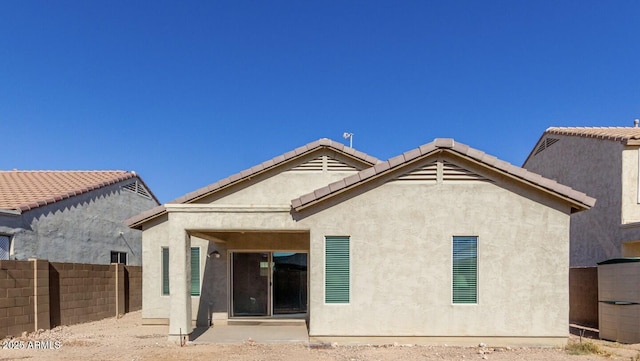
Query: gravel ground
[[126, 339]]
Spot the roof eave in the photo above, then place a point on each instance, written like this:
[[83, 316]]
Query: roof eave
[[10, 212], [575, 203], [137, 221]]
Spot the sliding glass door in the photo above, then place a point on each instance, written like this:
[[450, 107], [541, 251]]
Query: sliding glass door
[[250, 284], [268, 283], [289, 283]]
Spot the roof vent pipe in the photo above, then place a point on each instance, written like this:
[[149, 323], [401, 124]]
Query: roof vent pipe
[[635, 123]]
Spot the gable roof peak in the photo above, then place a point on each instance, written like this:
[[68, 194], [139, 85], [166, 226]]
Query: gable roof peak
[[580, 200], [444, 143], [363, 158]]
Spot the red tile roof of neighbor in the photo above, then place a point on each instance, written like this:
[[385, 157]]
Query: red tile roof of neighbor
[[377, 167], [607, 133], [22, 190], [580, 199]]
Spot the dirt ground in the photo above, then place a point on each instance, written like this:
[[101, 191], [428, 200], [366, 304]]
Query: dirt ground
[[126, 339]]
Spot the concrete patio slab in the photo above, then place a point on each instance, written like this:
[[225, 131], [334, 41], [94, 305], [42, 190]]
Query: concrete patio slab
[[234, 334]]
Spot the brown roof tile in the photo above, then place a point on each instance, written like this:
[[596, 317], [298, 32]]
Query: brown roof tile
[[337, 185], [580, 200], [24, 190]]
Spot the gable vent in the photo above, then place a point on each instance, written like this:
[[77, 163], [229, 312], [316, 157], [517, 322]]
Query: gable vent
[[324, 163], [137, 188], [452, 172], [334, 165], [545, 144], [312, 165], [426, 173]]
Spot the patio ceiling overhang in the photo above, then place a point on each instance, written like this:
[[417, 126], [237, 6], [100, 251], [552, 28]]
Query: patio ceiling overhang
[[222, 235]]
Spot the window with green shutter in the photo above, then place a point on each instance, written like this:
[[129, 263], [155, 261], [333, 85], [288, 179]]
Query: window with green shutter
[[336, 270], [165, 270], [195, 271], [465, 270]]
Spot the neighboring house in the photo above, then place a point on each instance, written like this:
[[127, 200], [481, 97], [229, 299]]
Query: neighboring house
[[71, 216], [604, 163], [440, 244]]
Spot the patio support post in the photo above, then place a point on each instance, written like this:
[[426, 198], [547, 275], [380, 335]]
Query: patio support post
[[180, 278]]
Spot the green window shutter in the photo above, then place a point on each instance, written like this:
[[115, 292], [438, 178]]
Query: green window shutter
[[165, 271], [336, 270], [465, 270], [195, 271]]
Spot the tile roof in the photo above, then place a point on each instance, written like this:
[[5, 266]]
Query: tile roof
[[606, 133], [137, 220], [627, 135], [24, 190], [580, 200]]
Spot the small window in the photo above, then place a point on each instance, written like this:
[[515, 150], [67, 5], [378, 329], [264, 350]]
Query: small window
[[195, 271], [165, 271], [5, 247], [465, 270], [118, 257], [337, 270]]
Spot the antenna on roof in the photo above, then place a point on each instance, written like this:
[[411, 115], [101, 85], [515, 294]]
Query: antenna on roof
[[346, 135], [635, 123]]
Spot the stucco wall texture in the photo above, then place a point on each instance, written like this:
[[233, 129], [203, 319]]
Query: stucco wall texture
[[80, 229], [401, 254], [401, 238], [606, 170]]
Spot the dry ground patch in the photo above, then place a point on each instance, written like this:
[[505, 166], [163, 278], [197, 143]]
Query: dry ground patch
[[125, 339]]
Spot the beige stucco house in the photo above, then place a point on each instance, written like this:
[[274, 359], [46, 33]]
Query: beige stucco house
[[443, 243], [604, 163]]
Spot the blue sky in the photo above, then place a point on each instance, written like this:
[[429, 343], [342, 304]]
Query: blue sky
[[187, 93]]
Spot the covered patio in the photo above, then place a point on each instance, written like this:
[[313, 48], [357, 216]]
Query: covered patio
[[252, 274]]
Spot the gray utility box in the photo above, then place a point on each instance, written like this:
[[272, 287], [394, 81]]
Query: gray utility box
[[619, 299]]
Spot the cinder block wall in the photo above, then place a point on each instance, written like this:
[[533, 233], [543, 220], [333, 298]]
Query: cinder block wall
[[84, 292], [134, 287], [583, 296], [16, 292], [36, 294]]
